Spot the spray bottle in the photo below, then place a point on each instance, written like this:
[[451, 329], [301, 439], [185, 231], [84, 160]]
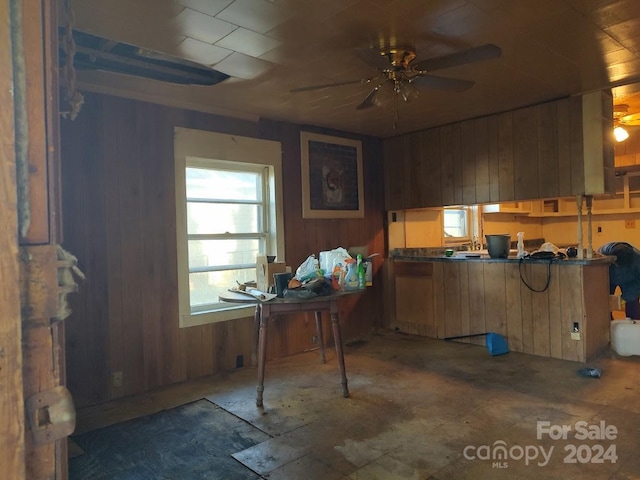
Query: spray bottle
[[521, 252]]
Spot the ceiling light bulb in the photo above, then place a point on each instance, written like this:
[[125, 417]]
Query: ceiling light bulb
[[620, 133]]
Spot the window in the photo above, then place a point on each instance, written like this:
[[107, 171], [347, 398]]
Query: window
[[461, 224], [227, 198], [455, 224]]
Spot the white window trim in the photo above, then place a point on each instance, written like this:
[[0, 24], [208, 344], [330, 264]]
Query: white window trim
[[190, 145]]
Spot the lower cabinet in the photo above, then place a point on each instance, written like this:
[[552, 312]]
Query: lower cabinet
[[413, 282], [536, 306]]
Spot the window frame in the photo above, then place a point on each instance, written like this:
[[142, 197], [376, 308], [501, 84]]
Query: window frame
[[202, 148]]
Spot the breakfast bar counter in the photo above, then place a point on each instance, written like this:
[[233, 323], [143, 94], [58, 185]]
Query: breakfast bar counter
[[553, 308]]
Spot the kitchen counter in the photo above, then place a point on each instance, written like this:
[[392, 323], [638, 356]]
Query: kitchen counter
[[536, 304], [471, 256]]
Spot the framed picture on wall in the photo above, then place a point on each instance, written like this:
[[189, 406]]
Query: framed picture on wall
[[332, 183]]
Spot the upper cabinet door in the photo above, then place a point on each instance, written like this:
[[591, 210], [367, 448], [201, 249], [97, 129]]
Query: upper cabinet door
[[555, 149]]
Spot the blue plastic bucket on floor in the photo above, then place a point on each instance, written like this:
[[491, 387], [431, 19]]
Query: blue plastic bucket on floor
[[496, 344]]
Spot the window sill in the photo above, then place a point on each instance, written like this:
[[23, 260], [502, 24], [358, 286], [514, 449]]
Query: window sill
[[233, 312]]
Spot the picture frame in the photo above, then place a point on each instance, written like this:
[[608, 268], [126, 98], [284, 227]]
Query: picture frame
[[332, 180]]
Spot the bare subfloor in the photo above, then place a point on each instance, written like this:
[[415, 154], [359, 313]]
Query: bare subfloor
[[423, 409]]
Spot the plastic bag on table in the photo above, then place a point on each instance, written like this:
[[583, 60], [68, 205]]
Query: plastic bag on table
[[308, 269]]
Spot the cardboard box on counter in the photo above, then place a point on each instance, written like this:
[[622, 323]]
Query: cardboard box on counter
[[265, 271]]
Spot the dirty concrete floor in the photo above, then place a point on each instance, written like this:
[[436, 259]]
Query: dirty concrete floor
[[426, 409]]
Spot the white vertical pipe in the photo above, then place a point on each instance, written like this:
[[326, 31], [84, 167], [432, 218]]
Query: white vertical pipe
[[579, 206]]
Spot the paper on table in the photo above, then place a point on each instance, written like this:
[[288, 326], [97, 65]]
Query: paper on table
[[257, 294]]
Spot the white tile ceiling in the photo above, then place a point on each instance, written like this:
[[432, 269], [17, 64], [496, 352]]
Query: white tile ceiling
[[551, 48]]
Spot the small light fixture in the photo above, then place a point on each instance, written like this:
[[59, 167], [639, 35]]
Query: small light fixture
[[383, 95], [620, 134], [407, 90]]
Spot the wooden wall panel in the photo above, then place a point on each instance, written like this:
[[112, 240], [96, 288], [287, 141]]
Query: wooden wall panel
[[481, 150], [549, 179], [458, 164], [513, 308], [431, 167], [555, 314], [505, 156], [120, 222], [575, 140], [38, 179], [572, 311], [451, 293], [86, 236], [494, 158], [525, 154], [393, 186], [477, 317], [513, 299], [540, 305], [12, 416], [469, 195], [447, 166], [494, 297], [564, 147], [438, 299], [416, 171], [463, 298]]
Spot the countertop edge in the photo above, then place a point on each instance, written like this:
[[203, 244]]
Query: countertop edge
[[565, 261]]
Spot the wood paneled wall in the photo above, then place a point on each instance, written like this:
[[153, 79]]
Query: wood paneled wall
[[529, 153], [119, 220], [474, 297]]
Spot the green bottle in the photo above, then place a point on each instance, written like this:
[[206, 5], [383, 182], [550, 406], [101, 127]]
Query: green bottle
[[362, 276]]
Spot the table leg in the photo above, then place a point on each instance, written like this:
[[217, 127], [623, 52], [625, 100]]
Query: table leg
[[262, 353], [337, 336], [318, 314], [256, 329]]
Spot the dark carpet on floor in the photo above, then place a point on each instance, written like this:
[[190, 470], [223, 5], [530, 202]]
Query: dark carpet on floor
[[193, 441]]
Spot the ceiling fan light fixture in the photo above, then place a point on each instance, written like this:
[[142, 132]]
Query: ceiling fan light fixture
[[407, 90], [383, 95], [620, 134]]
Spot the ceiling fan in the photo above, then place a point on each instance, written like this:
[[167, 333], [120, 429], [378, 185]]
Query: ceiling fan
[[399, 77], [621, 119]]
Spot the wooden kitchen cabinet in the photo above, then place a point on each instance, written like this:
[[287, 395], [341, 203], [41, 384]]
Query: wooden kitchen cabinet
[[555, 149], [443, 298], [414, 298]]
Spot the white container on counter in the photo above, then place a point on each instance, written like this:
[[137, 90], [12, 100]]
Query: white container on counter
[[625, 337]]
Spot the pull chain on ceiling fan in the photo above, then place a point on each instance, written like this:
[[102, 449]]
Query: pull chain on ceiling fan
[[400, 78]]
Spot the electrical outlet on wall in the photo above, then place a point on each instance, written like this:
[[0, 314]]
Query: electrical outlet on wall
[[630, 223], [575, 335], [117, 379]]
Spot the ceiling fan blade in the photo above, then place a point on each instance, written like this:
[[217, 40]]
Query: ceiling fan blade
[[368, 100], [363, 81], [373, 58], [471, 55], [442, 83], [632, 120]]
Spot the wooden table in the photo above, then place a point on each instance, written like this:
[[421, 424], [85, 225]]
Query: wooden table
[[284, 306]]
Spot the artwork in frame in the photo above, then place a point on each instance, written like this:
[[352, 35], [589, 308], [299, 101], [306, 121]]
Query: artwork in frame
[[332, 184]]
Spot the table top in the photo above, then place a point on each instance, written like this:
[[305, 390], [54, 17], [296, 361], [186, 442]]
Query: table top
[[235, 297]]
